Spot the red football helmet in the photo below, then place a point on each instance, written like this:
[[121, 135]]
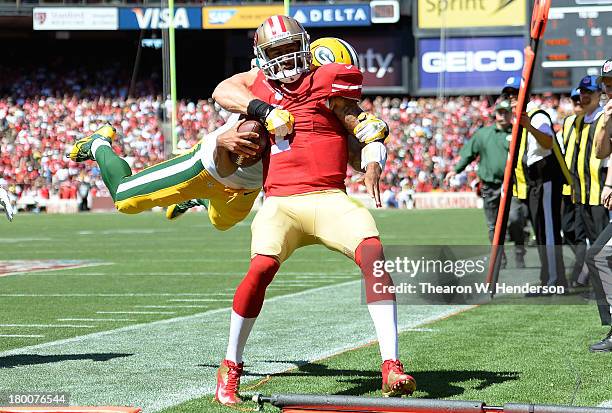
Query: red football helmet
[[278, 31]]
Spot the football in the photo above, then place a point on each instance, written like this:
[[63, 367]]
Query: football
[[251, 125]]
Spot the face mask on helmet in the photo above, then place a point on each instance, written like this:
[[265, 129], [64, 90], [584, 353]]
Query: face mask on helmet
[[282, 48]]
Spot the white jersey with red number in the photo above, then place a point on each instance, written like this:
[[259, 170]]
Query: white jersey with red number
[[314, 156]]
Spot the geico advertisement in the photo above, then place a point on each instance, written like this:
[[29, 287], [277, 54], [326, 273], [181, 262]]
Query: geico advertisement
[[435, 14], [469, 62], [380, 58], [157, 18]]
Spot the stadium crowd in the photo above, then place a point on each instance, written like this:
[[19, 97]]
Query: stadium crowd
[[37, 132]]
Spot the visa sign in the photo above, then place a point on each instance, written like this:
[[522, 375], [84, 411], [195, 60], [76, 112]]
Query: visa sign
[[332, 15], [158, 18], [469, 63]]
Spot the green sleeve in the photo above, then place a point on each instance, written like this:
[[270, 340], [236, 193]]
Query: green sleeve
[[469, 152]]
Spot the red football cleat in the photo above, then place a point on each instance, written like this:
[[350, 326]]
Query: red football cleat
[[228, 381], [396, 383]]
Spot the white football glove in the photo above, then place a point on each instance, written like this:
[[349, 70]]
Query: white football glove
[[279, 122], [5, 202], [370, 128]]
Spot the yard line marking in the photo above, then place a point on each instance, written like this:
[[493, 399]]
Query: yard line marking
[[43, 267], [182, 354], [16, 240], [171, 306], [22, 335], [135, 312], [47, 325], [96, 319]]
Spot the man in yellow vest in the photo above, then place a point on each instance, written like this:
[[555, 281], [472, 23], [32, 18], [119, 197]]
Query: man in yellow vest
[[572, 225], [589, 172], [599, 256], [539, 176]]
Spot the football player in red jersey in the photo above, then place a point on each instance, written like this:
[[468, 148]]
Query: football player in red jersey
[[310, 114]]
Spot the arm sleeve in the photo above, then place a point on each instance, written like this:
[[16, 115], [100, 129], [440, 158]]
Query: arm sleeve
[[469, 152], [542, 123], [342, 80]]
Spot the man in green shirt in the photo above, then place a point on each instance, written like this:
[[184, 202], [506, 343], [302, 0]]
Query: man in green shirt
[[491, 144]]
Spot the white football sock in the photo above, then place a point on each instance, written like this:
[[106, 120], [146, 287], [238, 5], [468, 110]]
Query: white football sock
[[384, 316], [96, 144], [240, 328]]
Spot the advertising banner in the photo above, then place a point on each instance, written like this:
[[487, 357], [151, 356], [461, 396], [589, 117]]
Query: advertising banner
[[476, 63], [381, 59], [74, 18], [332, 15], [237, 17], [436, 14], [137, 18]]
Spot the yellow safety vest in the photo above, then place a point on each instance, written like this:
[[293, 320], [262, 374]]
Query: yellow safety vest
[[569, 143], [589, 172], [519, 189]]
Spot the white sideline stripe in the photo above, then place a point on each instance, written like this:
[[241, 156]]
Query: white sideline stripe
[[47, 325], [171, 273], [96, 319], [188, 300], [607, 403], [160, 174], [181, 354], [302, 281], [135, 312], [113, 295], [170, 306], [22, 335]]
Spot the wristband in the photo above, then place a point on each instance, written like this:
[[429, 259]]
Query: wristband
[[374, 152], [259, 109]]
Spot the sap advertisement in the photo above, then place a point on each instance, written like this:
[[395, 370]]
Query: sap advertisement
[[469, 63], [157, 18]]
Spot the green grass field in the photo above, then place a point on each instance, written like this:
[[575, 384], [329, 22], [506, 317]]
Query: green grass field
[[146, 323]]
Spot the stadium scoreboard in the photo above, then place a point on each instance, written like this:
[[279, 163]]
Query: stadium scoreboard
[[577, 41]]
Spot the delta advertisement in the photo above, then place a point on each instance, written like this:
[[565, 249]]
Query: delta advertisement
[[469, 63]]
